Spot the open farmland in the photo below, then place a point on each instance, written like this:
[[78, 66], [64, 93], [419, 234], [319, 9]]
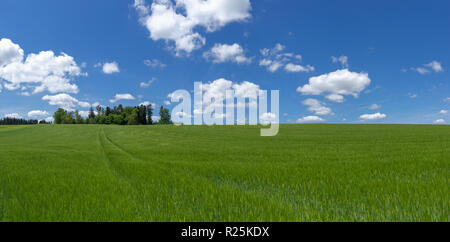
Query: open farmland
[[225, 173]]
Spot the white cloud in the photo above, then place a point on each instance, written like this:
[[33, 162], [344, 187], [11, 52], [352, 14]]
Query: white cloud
[[298, 68], [447, 99], [13, 115], [49, 120], [340, 82], [439, 121], [268, 118], [147, 103], [443, 112], [178, 20], [341, 59], [167, 103], [428, 68], [274, 59], [84, 113], [374, 116], [412, 95], [110, 68], [64, 101], [37, 113], [40, 72], [374, 107], [420, 70], [435, 66], [154, 63], [181, 115], [147, 84], [9, 52], [335, 98], [221, 53], [118, 97], [216, 91], [317, 107], [310, 119], [84, 104]]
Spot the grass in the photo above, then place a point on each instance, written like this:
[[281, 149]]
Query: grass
[[198, 173]]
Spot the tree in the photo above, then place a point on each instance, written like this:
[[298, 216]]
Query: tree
[[133, 117], [108, 111], [142, 114], [99, 110], [59, 116], [117, 119], [78, 118], [91, 113], [165, 116], [120, 109], [105, 115]]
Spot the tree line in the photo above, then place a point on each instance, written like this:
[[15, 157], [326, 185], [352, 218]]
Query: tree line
[[19, 121], [118, 115]]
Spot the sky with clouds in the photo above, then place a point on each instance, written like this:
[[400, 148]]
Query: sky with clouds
[[333, 61]]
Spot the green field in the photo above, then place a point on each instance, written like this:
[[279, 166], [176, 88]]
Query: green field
[[198, 173]]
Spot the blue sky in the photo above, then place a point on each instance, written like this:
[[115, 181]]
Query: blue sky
[[400, 47]]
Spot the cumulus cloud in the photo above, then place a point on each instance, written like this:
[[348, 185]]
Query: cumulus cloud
[[439, 121], [310, 119], [118, 97], [176, 21], [335, 98], [374, 107], [221, 53], [49, 120], [443, 112], [148, 83], [341, 82], [65, 101], [274, 59], [154, 63], [40, 72], [37, 113], [84, 113], [374, 116], [9, 52], [428, 68], [13, 115], [435, 66], [214, 93], [341, 59], [84, 104], [316, 107], [109, 67], [268, 118]]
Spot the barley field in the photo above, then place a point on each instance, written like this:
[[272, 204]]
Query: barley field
[[311, 172]]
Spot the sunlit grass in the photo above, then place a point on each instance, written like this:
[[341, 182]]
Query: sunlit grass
[[219, 173]]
